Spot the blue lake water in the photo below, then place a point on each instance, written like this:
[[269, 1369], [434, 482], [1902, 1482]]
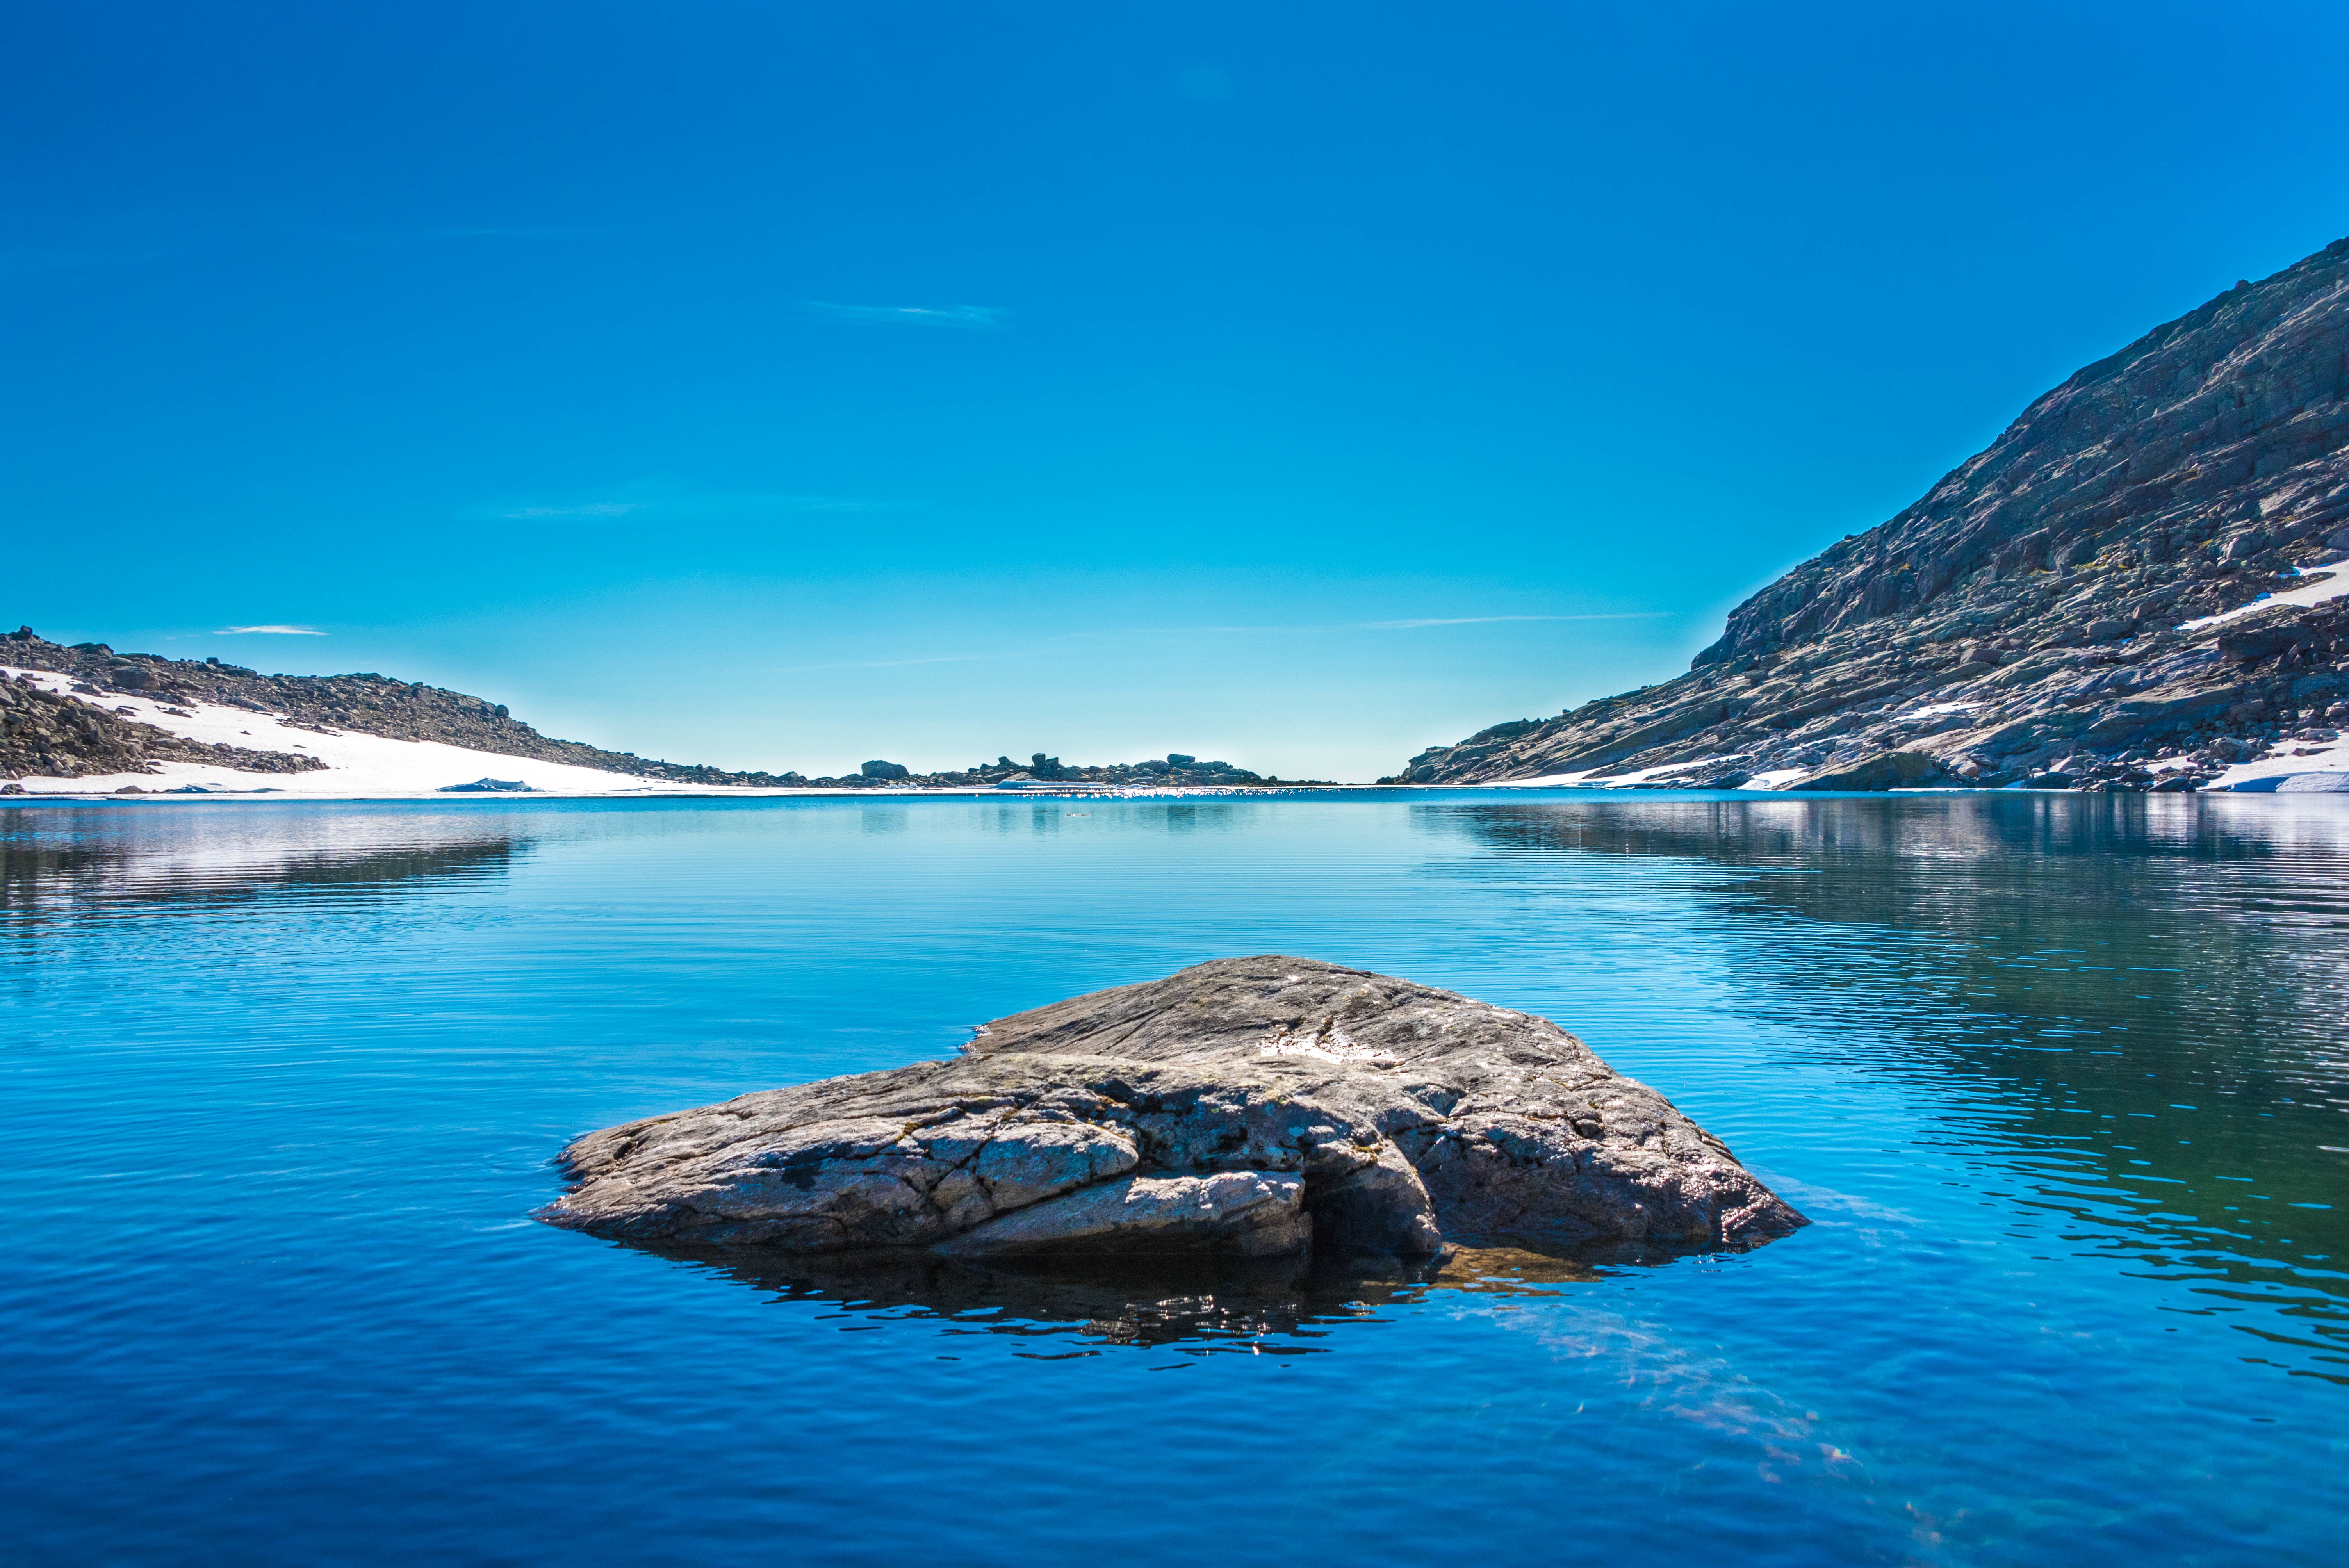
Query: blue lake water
[[2062, 1081]]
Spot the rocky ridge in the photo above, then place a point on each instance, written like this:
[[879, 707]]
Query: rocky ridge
[[2028, 621], [367, 703], [46, 735], [1248, 1107], [371, 703]]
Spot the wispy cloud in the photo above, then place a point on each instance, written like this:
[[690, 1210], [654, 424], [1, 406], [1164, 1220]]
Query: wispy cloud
[[1488, 619], [345, 234], [1409, 626], [1061, 642], [27, 260], [978, 315], [593, 508], [894, 663], [273, 631], [659, 508]]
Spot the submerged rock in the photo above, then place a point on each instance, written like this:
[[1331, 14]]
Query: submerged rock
[[1249, 1107]]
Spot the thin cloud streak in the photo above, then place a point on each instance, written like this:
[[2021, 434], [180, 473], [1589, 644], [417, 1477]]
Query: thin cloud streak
[[982, 316], [1067, 637], [1415, 624], [1488, 619], [594, 509], [896, 664], [270, 631], [675, 507]]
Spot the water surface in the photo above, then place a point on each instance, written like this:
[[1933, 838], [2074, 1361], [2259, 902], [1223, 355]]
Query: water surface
[[2063, 1080]]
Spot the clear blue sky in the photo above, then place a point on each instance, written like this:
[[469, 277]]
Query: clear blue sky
[[787, 384]]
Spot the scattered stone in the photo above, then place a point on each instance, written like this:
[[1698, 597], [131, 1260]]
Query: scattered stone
[[1887, 770]]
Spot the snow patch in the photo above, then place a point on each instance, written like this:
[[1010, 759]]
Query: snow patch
[[1777, 778], [361, 767], [2293, 757], [1588, 779], [2332, 587]]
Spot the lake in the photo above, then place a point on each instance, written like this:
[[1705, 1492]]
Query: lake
[[2062, 1081]]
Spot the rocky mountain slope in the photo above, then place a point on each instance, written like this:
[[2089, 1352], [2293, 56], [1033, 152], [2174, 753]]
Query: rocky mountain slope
[[48, 736], [2034, 617], [369, 704]]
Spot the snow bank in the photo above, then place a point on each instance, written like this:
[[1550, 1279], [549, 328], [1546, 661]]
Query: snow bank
[[1586, 780], [358, 767], [2296, 756], [2332, 587]]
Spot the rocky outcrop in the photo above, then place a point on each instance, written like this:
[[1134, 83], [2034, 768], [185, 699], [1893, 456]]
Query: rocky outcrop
[[1249, 1107], [42, 734], [373, 704], [367, 703], [2029, 619]]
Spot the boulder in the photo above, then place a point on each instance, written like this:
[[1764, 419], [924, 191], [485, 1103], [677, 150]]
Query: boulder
[[1244, 1107], [880, 770], [1886, 771]]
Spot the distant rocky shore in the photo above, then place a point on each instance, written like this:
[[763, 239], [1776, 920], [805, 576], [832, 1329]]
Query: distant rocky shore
[[1174, 769], [2034, 619], [46, 735]]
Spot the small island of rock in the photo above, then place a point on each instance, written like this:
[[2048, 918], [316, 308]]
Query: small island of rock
[[1249, 1107]]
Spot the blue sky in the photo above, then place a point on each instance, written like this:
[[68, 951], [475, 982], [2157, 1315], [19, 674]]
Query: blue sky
[[784, 386]]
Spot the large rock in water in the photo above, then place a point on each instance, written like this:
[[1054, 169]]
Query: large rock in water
[[1249, 1107]]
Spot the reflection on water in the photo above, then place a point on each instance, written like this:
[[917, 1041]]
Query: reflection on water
[[2151, 990], [2062, 1081], [1266, 1306], [1248, 1306], [130, 856]]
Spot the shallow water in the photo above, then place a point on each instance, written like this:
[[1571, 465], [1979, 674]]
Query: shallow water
[[2063, 1080]]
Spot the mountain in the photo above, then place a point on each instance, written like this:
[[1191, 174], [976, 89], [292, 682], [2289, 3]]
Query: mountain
[[101, 741], [92, 713], [2119, 593]]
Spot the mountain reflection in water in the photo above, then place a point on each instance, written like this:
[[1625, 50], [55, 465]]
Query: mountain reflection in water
[[2136, 1001], [131, 859]]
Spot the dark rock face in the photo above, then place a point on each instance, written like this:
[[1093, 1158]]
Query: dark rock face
[[1249, 1107], [2026, 612], [879, 769], [44, 736]]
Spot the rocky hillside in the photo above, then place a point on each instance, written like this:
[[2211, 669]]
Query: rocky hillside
[[45, 735], [55, 736], [369, 704], [2027, 620]]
